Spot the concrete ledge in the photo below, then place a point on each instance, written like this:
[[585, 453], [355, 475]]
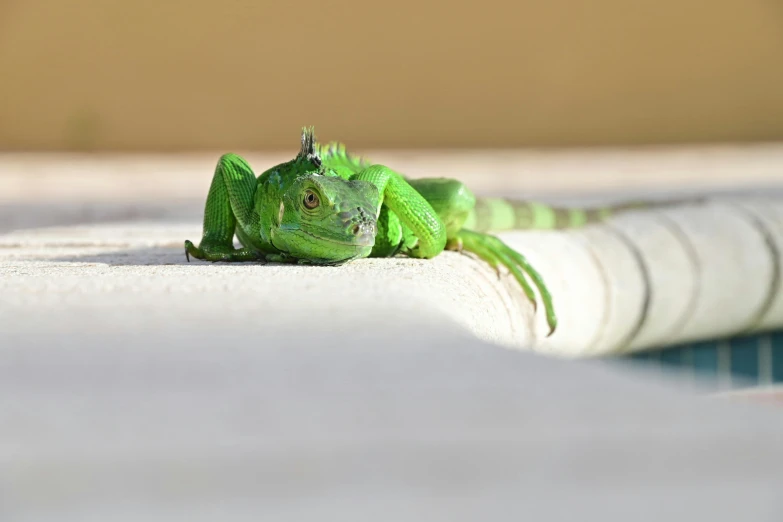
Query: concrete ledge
[[644, 279], [653, 278], [47, 272]]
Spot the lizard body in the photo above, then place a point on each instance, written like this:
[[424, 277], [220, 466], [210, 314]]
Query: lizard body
[[328, 207]]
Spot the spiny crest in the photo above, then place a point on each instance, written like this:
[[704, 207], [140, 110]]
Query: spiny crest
[[308, 150]]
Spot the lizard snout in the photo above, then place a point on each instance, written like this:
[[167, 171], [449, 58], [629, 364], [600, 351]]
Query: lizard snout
[[365, 233], [359, 224]]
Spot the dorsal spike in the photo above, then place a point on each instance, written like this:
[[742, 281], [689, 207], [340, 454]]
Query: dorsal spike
[[308, 150]]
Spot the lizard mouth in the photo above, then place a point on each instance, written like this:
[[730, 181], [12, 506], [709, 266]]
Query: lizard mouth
[[366, 239], [348, 250], [363, 240]]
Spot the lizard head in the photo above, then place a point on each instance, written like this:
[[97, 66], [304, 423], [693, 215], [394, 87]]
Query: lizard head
[[323, 218], [326, 219]]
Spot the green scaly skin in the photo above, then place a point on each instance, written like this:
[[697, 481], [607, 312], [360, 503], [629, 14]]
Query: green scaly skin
[[328, 207]]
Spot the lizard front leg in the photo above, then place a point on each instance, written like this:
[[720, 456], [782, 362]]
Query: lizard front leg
[[229, 202], [410, 207]]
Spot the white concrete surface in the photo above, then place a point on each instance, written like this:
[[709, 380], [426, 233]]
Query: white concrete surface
[[647, 279], [659, 277], [143, 267]]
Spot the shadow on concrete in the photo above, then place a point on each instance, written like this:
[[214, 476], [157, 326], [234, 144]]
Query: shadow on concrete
[[164, 255], [143, 256]]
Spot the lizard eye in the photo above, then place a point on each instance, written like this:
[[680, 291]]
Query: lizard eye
[[311, 200]]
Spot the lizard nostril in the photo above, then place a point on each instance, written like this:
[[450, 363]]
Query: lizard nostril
[[356, 229]]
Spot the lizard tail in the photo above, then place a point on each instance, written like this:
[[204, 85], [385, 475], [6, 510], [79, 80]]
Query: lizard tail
[[498, 214]]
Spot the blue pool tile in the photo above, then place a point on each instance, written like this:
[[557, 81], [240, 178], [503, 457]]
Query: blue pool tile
[[674, 356], [777, 356], [745, 358], [704, 358]]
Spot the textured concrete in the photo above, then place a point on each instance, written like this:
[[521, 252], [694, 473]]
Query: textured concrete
[[142, 267], [644, 280]]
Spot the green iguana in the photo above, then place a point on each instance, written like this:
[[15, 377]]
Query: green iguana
[[328, 206]]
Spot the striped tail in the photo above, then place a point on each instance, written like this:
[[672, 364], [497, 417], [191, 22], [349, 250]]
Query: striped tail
[[498, 214]]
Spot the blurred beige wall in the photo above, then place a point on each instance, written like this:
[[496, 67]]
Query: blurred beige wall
[[230, 75]]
